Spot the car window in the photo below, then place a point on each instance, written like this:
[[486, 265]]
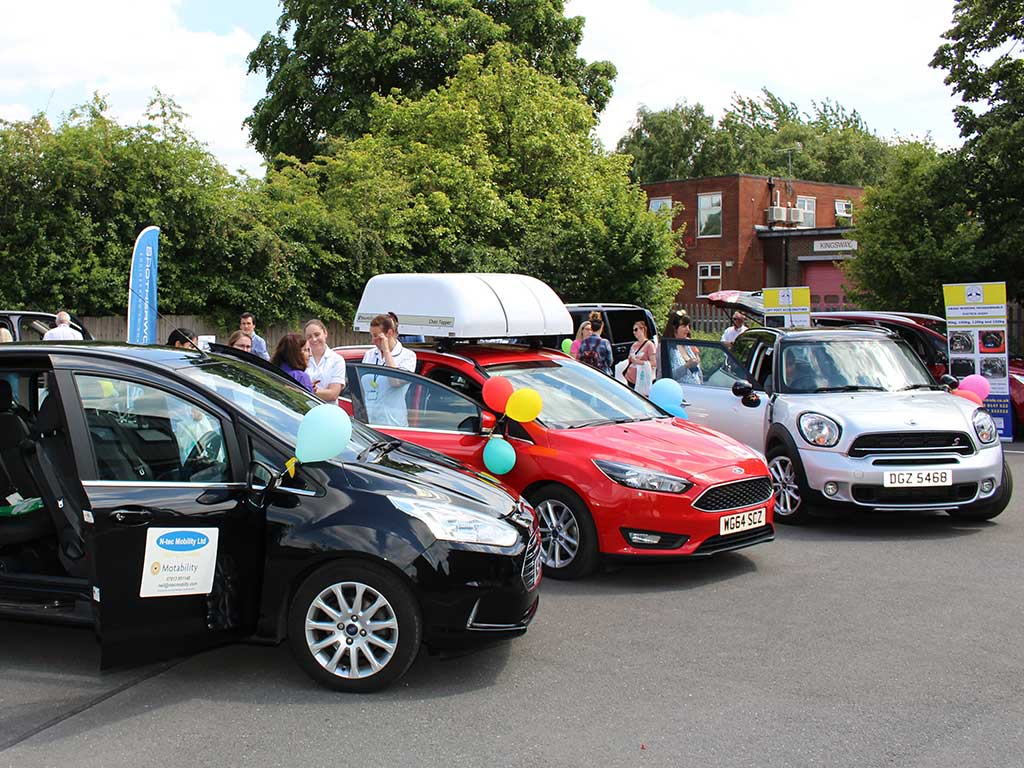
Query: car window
[[743, 349], [273, 458], [883, 364], [143, 434], [458, 381], [393, 398], [698, 363], [620, 323], [32, 329]]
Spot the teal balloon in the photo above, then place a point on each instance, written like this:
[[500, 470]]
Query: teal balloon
[[567, 346], [666, 393], [499, 456], [676, 410], [323, 433]]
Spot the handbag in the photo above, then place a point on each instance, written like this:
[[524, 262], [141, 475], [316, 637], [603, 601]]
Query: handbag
[[644, 378]]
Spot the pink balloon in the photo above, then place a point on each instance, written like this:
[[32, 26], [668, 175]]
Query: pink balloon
[[977, 384], [967, 394]]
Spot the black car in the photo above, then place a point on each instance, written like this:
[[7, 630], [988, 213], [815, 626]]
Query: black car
[[145, 497], [29, 325], [618, 326]]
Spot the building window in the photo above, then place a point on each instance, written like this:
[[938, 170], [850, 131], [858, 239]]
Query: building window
[[709, 215], [709, 278], [844, 213], [657, 203], [808, 206]]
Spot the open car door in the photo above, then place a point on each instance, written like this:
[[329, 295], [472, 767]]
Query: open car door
[[707, 372], [420, 410], [173, 542]]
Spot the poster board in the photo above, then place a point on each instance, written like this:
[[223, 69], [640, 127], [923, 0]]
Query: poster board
[[787, 307], [976, 332]]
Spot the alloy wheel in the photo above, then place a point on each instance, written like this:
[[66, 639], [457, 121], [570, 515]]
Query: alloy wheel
[[787, 491], [351, 630], [559, 533]]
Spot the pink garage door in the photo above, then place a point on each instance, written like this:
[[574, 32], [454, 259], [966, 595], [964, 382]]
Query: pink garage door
[[825, 280]]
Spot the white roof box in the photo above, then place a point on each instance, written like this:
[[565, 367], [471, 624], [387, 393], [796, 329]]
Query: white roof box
[[465, 306]]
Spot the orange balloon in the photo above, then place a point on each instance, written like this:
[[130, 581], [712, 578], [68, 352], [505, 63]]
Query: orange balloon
[[966, 394]]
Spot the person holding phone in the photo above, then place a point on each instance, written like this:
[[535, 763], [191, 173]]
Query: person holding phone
[[385, 395]]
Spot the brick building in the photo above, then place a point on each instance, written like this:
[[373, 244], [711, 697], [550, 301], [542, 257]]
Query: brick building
[[749, 232]]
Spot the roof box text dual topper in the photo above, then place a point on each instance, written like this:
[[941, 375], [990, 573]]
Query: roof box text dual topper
[[465, 305]]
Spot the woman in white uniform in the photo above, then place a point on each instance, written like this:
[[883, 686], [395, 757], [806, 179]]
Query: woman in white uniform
[[326, 368], [385, 395]]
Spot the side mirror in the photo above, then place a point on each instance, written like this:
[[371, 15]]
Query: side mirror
[[262, 481], [950, 381], [742, 389], [751, 400], [487, 422]]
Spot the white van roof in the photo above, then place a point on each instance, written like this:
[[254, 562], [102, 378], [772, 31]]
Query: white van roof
[[465, 305]]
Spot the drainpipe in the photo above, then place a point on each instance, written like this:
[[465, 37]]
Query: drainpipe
[[771, 196]]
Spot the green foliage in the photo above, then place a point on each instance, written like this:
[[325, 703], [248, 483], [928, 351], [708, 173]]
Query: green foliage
[[985, 68], [75, 198], [760, 135], [915, 231], [329, 59], [495, 171]]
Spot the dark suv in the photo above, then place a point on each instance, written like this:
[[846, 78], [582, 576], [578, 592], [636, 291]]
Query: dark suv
[[26, 325], [618, 325]]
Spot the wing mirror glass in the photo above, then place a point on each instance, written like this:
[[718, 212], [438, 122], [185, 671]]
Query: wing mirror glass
[[950, 381]]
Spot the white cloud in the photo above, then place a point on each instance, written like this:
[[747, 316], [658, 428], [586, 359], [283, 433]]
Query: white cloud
[[871, 56], [56, 54]]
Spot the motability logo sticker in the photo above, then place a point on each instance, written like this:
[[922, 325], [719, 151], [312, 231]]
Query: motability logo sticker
[[182, 541]]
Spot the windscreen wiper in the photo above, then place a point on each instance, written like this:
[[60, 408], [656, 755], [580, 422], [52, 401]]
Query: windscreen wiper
[[592, 423], [851, 388], [920, 386], [384, 446]]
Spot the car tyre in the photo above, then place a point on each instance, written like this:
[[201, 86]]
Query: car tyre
[[793, 497], [989, 509], [354, 627], [567, 532]]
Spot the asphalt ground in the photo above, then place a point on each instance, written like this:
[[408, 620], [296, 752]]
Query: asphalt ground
[[857, 642]]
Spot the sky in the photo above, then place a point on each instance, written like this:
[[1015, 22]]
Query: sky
[[871, 56]]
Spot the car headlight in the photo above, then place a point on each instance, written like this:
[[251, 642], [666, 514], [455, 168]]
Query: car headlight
[[454, 523], [642, 479], [819, 430], [985, 427]]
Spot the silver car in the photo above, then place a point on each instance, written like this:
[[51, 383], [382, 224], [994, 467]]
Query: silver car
[[845, 417]]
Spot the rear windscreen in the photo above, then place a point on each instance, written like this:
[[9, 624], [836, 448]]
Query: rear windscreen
[[621, 324]]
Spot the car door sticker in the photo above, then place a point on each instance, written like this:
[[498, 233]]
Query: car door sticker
[[179, 561]]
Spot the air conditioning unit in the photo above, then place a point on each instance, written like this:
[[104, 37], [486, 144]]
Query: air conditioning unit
[[775, 214], [796, 215]]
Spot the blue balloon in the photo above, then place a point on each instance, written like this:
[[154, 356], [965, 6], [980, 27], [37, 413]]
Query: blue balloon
[[499, 456], [666, 393], [676, 410], [323, 433]]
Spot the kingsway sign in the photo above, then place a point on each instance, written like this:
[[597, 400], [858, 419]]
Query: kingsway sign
[[834, 246]]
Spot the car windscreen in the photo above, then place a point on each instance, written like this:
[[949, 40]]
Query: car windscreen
[[886, 365], [268, 400], [576, 395]]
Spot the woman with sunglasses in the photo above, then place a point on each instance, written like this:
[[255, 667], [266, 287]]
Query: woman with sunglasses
[[643, 350]]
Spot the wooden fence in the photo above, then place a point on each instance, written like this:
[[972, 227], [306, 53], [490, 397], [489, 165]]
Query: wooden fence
[[115, 328]]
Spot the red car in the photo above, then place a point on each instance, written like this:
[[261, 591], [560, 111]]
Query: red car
[[607, 472]]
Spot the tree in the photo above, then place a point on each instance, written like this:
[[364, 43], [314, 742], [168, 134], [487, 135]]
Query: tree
[[329, 59], [494, 171], [915, 231], [985, 69], [75, 198], [760, 135]]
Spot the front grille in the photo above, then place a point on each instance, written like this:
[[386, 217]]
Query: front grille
[[720, 543], [742, 493], [899, 443], [532, 561], [947, 494]]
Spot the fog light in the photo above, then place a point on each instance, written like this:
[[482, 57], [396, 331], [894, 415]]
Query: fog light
[[831, 488], [987, 485], [644, 538]]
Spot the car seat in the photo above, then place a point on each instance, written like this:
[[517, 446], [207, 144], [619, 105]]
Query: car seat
[[52, 469], [14, 435]]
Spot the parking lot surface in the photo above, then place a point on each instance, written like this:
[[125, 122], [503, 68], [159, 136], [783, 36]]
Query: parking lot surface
[[856, 642]]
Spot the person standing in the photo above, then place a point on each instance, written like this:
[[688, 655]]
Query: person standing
[[643, 350], [241, 341], [247, 325], [292, 357], [183, 338], [385, 395], [326, 368], [62, 331], [684, 359], [583, 332], [739, 325], [595, 351]]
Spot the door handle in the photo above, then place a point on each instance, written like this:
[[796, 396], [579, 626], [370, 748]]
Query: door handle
[[132, 516]]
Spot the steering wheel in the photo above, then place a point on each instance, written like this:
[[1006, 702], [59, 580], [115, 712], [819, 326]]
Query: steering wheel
[[204, 453]]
